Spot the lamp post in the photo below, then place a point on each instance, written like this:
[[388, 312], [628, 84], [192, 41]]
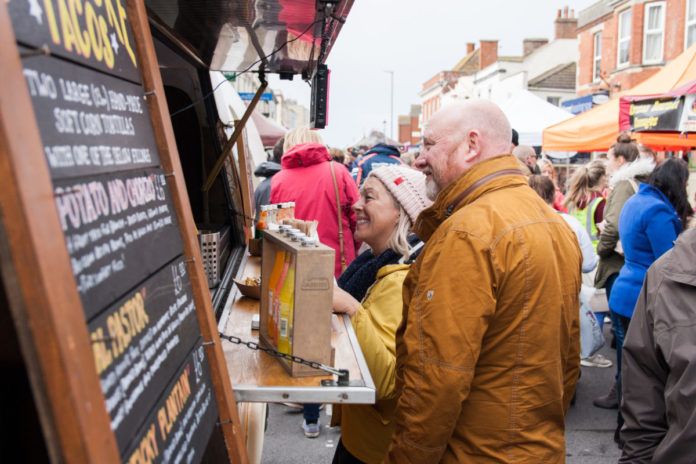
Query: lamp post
[[391, 105]]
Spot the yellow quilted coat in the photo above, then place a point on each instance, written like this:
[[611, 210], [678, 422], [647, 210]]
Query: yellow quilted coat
[[488, 350], [366, 429]]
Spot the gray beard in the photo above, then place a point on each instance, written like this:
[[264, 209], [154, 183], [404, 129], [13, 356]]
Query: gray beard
[[431, 189]]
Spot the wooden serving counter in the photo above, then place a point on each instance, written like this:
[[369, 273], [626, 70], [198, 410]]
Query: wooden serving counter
[[258, 377]]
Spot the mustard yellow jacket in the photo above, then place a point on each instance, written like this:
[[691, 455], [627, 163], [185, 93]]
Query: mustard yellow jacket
[[488, 350], [366, 430]]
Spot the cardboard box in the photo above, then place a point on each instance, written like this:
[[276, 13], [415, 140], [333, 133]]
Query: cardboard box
[[310, 328]]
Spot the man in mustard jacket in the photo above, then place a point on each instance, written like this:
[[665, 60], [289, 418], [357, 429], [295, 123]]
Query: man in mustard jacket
[[488, 350]]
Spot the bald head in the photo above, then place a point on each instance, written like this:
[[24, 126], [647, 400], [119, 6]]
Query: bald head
[[483, 116], [523, 153], [459, 136]]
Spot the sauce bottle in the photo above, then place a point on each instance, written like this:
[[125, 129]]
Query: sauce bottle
[[276, 296], [287, 300], [272, 282]]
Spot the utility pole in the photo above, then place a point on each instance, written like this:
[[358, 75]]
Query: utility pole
[[391, 105]]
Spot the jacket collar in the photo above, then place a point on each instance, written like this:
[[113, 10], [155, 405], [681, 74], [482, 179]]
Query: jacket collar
[[640, 168], [492, 174], [680, 265]]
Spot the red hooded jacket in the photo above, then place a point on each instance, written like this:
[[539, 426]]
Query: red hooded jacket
[[305, 178]]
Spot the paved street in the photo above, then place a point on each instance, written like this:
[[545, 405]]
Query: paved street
[[589, 430]]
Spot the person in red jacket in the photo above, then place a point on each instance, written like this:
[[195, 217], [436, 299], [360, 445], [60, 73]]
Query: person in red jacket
[[306, 179]]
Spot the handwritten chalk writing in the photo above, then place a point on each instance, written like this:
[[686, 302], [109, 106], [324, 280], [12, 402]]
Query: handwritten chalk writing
[[147, 450], [78, 26], [115, 124], [102, 354], [40, 84], [166, 416], [127, 322], [82, 204], [73, 91]]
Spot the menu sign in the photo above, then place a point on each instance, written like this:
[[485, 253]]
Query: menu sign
[[656, 114], [119, 223], [178, 428], [90, 122], [119, 228], [139, 342]]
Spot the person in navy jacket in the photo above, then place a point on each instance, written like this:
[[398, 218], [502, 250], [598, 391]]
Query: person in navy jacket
[[378, 156]]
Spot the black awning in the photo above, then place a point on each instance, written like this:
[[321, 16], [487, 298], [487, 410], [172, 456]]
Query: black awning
[[233, 35]]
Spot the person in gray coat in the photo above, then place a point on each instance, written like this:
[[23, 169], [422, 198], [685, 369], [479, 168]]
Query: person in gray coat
[[267, 169], [659, 366]]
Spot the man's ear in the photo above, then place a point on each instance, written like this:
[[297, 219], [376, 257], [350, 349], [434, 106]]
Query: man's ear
[[473, 144]]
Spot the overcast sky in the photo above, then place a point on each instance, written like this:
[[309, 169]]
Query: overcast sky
[[415, 39]]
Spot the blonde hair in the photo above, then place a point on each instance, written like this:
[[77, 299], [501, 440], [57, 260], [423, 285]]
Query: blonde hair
[[399, 238], [300, 134], [584, 181]]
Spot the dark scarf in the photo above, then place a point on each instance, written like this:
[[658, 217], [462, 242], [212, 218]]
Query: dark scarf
[[362, 272]]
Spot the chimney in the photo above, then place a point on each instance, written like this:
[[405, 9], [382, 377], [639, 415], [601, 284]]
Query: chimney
[[470, 47], [529, 45], [488, 53], [566, 24]]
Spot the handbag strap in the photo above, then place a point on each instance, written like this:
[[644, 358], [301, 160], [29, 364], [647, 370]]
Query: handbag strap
[[340, 217]]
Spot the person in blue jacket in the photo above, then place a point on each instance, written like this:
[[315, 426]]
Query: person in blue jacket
[[378, 156], [649, 223]]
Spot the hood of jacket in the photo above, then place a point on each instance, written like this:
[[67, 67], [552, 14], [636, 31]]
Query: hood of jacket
[[639, 169], [680, 266], [491, 174], [384, 149], [305, 154], [267, 169]]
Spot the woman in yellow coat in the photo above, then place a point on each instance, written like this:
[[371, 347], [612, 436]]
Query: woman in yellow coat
[[370, 292]]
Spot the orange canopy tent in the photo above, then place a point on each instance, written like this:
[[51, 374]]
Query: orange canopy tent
[[597, 129]]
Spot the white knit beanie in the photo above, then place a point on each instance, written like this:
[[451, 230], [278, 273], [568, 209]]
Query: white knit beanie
[[406, 185]]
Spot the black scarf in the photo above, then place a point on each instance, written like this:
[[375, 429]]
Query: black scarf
[[362, 272]]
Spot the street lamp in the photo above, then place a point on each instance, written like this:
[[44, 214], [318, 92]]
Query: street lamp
[[391, 105]]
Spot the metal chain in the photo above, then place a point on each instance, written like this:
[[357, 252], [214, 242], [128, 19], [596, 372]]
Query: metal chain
[[342, 374]]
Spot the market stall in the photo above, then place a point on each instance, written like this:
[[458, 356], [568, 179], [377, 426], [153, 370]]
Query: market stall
[[597, 129]]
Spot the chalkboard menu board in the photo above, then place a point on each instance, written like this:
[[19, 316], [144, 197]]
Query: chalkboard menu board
[[120, 225]]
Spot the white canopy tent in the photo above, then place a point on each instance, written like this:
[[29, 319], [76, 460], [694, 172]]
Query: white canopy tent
[[529, 115]]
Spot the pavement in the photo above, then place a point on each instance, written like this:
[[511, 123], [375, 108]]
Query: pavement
[[589, 430]]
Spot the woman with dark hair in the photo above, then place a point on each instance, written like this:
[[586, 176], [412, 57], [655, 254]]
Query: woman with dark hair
[[626, 170], [649, 224]]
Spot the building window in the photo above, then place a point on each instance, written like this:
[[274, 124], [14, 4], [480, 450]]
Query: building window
[[624, 45], [690, 23], [597, 56], [654, 32], [554, 100]]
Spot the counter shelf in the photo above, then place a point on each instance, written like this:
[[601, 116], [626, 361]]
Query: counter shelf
[[258, 377]]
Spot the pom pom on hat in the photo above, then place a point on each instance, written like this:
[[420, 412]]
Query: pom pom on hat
[[406, 185]]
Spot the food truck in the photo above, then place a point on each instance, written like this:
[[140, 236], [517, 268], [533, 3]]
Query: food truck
[[125, 215]]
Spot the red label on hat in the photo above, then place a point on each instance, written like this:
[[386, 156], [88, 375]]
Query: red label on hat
[[398, 180]]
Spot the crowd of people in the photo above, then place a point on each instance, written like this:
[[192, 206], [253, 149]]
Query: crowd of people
[[461, 267]]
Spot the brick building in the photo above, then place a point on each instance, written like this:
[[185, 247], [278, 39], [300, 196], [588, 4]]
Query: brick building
[[623, 42], [409, 129]]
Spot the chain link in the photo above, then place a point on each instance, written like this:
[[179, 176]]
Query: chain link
[[342, 374]]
